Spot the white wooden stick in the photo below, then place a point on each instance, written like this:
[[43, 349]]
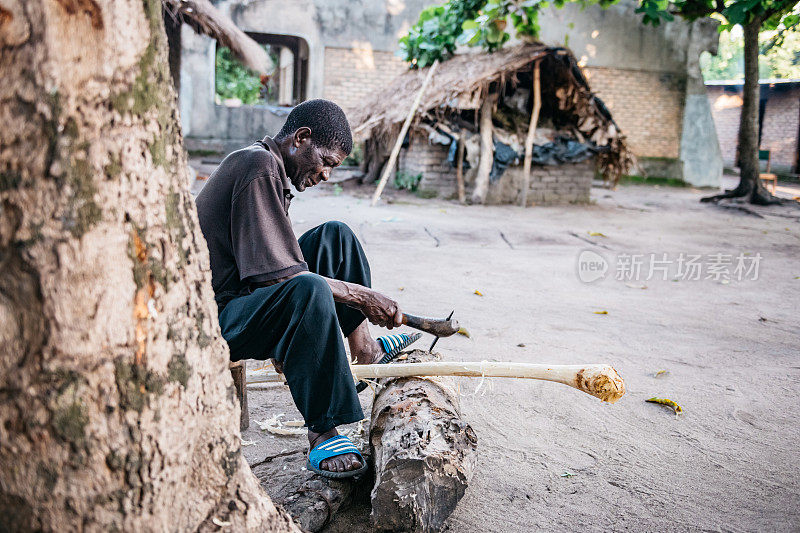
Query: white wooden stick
[[399, 142], [600, 380]]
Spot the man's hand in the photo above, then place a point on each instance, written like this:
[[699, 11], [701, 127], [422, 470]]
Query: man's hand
[[379, 309]]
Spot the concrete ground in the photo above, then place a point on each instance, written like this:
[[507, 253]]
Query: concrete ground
[[550, 457]]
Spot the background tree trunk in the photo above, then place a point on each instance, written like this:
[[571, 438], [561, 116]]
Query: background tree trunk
[[749, 182], [117, 408]]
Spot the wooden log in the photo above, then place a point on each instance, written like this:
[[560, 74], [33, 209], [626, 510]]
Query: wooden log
[[462, 197], [310, 499], [537, 105], [239, 376], [487, 151], [424, 452]]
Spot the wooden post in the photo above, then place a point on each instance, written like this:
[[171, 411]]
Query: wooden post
[[537, 105], [387, 170], [240, 382], [487, 151], [424, 452], [462, 195]]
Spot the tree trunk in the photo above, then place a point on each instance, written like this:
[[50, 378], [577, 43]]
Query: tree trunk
[[424, 452], [749, 182], [117, 408], [487, 151]]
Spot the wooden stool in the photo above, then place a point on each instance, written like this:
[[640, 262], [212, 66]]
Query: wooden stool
[[764, 155], [239, 375], [769, 177]]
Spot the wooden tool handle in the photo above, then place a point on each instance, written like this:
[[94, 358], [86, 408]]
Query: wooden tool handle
[[435, 326]]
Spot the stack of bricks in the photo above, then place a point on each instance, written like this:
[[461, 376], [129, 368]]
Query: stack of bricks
[[354, 75], [549, 185], [647, 106]]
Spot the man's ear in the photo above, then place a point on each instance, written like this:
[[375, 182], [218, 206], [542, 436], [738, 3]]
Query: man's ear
[[302, 135]]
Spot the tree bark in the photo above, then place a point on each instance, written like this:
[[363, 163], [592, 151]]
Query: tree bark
[[749, 182], [487, 151], [424, 452], [117, 408]]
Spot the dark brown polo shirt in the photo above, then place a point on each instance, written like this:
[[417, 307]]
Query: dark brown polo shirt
[[244, 216]]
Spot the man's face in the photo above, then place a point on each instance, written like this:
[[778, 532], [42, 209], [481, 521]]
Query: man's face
[[308, 164]]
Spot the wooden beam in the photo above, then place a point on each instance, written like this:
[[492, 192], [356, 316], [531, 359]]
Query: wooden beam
[[399, 142], [537, 105]]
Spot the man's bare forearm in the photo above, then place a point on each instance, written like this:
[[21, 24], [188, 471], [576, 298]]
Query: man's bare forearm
[[378, 308], [346, 293]]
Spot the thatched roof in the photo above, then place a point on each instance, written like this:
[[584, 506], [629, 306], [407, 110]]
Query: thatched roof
[[206, 19], [460, 83], [460, 79]]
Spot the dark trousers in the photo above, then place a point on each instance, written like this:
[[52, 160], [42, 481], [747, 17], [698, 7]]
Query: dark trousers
[[297, 323]]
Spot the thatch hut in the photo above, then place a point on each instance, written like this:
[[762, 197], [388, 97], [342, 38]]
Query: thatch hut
[[480, 105]]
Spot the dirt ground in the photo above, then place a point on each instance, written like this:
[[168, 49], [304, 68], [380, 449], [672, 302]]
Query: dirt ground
[[550, 457]]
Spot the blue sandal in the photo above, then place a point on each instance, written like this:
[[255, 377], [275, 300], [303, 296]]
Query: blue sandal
[[392, 345], [338, 445]]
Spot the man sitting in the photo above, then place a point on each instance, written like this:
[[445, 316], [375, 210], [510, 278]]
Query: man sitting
[[285, 298]]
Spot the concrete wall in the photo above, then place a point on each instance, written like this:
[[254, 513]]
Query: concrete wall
[[780, 124], [549, 185]]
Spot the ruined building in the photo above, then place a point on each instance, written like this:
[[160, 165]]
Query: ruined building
[[343, 50]]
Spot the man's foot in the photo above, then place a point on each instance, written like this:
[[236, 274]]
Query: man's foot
[[338, 463], [363, 347]]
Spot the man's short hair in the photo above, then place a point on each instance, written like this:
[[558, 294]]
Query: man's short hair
[[329, 126]]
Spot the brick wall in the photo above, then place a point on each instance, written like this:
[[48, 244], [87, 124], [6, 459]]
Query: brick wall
[[647, 106], [549, 185], [430, 160], [780, 127], [779, 133], [354, 74], [726, 106]]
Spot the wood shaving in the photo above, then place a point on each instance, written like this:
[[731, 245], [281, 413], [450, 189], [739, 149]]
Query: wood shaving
[[276, 427]]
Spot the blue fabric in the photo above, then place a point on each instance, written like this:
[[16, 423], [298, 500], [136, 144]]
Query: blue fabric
[[338, 445]]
